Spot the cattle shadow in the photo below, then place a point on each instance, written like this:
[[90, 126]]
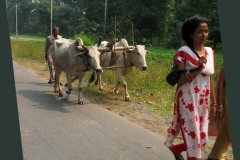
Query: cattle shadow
[[46, 100], [36, 83], [49, 100], [93, 94]]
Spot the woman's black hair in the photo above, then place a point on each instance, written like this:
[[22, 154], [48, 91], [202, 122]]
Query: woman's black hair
[[190, 25]]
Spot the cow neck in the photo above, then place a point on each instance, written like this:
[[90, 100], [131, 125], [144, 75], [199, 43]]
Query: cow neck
[[125, 59], [86, 63], [132, 59]]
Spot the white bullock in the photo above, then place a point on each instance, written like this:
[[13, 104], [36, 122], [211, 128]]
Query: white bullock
[[74, 62], [121, 62]]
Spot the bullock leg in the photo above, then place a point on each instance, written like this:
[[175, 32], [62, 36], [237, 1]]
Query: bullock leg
[[91, 79], [80, 97], [69, 82], [99, 81], [57, 87], [121, 79], [116, 87], [72, 80], [118, 81]]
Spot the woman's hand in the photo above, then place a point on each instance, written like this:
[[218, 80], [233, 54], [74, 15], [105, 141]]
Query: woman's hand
[[202, 60], [212, 111], [219, 110]]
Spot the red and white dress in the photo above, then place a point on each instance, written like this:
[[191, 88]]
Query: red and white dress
[[191, 103]]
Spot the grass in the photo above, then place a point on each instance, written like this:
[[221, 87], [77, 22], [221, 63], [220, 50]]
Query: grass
[[27, 37]]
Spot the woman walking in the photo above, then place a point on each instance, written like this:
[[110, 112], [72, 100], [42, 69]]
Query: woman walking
[[194, 90]]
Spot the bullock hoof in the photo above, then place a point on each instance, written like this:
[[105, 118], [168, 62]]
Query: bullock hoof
[[60, 94], [80, 102], [55, 91], [101, 89], [127, 99], [68, 92]]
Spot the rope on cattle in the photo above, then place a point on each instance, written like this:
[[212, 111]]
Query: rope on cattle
[[115, 67]]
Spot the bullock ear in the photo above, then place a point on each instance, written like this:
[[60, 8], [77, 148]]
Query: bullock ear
[[147, 52]]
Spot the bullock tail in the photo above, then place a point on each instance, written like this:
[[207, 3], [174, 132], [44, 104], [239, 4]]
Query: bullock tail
[[91, 79]]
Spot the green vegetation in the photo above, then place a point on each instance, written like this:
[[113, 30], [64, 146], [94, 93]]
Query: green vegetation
[[155, 22]]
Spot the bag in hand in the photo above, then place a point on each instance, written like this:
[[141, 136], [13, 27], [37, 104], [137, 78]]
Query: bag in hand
[[173, 77]]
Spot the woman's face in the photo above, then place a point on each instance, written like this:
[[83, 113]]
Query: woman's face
[[200, 34]]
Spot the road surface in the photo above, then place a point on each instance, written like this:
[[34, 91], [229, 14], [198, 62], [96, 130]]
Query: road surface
[[54, 128]]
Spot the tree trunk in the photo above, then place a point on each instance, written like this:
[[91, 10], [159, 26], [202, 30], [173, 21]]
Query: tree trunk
[[159, 39]]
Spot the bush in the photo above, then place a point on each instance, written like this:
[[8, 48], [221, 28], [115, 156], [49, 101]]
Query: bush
[[88, 40]]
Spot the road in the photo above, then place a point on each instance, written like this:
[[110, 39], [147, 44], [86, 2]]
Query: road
[[54, 128]]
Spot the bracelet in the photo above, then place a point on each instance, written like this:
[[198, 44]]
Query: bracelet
[[213, 105]]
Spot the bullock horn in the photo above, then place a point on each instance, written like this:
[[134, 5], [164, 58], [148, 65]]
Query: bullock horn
[[135, 44], [99, 41], [146, 45]]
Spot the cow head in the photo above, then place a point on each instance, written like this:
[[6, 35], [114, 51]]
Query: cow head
[[138, 56], [91, 58]]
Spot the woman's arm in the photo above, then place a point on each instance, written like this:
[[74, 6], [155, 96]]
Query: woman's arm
[[219, 90], [184, 78], [213, 99]]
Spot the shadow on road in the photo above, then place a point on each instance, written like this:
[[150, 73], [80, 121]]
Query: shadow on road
[[47, 100]]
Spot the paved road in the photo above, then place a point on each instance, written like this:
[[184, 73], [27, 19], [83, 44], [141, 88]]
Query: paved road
[[54, 128]]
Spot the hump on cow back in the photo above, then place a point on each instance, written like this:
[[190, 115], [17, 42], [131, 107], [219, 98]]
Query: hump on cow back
[[78, 41], [59, 42]]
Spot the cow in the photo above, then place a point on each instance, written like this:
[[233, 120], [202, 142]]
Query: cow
[[74, 62], [121, 61]]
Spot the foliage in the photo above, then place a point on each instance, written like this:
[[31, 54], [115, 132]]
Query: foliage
[[87, 40], [153, 21]]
